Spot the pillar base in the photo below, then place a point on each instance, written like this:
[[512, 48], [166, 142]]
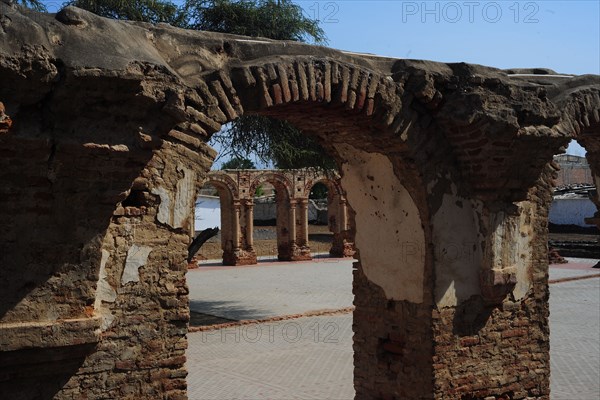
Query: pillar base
[[239, 257], [293, 253], [341, 247]]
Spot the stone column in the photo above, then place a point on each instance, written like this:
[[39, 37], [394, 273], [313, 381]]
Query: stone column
[[595, 198], [343, 216], [235, 237], [292, 222], [304, 222], [250, 225]]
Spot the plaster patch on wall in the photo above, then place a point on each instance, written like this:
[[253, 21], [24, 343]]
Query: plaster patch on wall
[[104, 293], [184, 198], [176, 213], [136, 258], [523, 242], [510, 246], [389, 234], [458, 253], [164, 208]]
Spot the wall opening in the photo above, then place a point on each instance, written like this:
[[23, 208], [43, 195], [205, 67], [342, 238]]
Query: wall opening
[[306, 303], [574, 203]]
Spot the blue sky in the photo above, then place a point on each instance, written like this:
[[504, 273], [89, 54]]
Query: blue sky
[[560, 35]]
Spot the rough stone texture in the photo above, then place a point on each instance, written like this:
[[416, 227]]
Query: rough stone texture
[[103, 135], [236, 191], [502, 349]]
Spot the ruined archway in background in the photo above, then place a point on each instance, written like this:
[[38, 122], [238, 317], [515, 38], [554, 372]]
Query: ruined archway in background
[[337, 217], [433, 140], [231, 243], [288, 246]]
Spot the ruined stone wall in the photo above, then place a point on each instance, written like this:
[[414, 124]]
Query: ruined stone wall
[[501, 351], [142, 293], [392, 281], [392, 345], [103, 140]]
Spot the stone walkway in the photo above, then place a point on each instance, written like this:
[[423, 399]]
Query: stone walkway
[[575, 339], [271, 289], [305, 358], [311, 358]]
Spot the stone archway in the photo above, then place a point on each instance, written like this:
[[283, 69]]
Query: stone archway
[[581, 117], [293, 188], [337, 216], [233, 245], [288, 246], [432, 160]]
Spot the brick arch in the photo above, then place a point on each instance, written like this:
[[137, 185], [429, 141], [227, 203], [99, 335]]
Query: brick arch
[[332, 184], [274, 178], [581, 118], [371, 109], [359, 99], [225, 182]]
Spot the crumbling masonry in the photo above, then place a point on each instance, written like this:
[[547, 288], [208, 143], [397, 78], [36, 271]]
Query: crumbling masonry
[[446, 170]]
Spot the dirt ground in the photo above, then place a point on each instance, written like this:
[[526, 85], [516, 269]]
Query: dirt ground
[[573, 237], [319, 239], [319, 236]]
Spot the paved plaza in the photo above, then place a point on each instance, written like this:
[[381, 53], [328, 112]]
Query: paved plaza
[[271, 289], [311, 357]]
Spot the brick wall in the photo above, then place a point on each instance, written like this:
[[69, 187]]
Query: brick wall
[[499, 351]]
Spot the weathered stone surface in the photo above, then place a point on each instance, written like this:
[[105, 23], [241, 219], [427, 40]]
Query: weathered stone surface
[[5, 121], [103, 135], [137, 256]]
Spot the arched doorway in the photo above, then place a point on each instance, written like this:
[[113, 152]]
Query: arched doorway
[[337, 218]]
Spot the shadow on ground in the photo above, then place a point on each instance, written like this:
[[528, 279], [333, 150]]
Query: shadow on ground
[[226, 311]]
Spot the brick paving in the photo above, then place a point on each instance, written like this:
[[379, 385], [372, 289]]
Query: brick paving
[[574, 340], [311, 358], [306, 358], [271, 289]]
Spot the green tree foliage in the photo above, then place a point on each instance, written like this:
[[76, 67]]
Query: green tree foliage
[[273, 141], [238, 163], [319, 191], [153, 11], [280, 20], [36, 5]]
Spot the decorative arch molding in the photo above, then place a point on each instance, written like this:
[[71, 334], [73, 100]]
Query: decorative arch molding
[[331, 183], [224, 181], [275, 178]]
